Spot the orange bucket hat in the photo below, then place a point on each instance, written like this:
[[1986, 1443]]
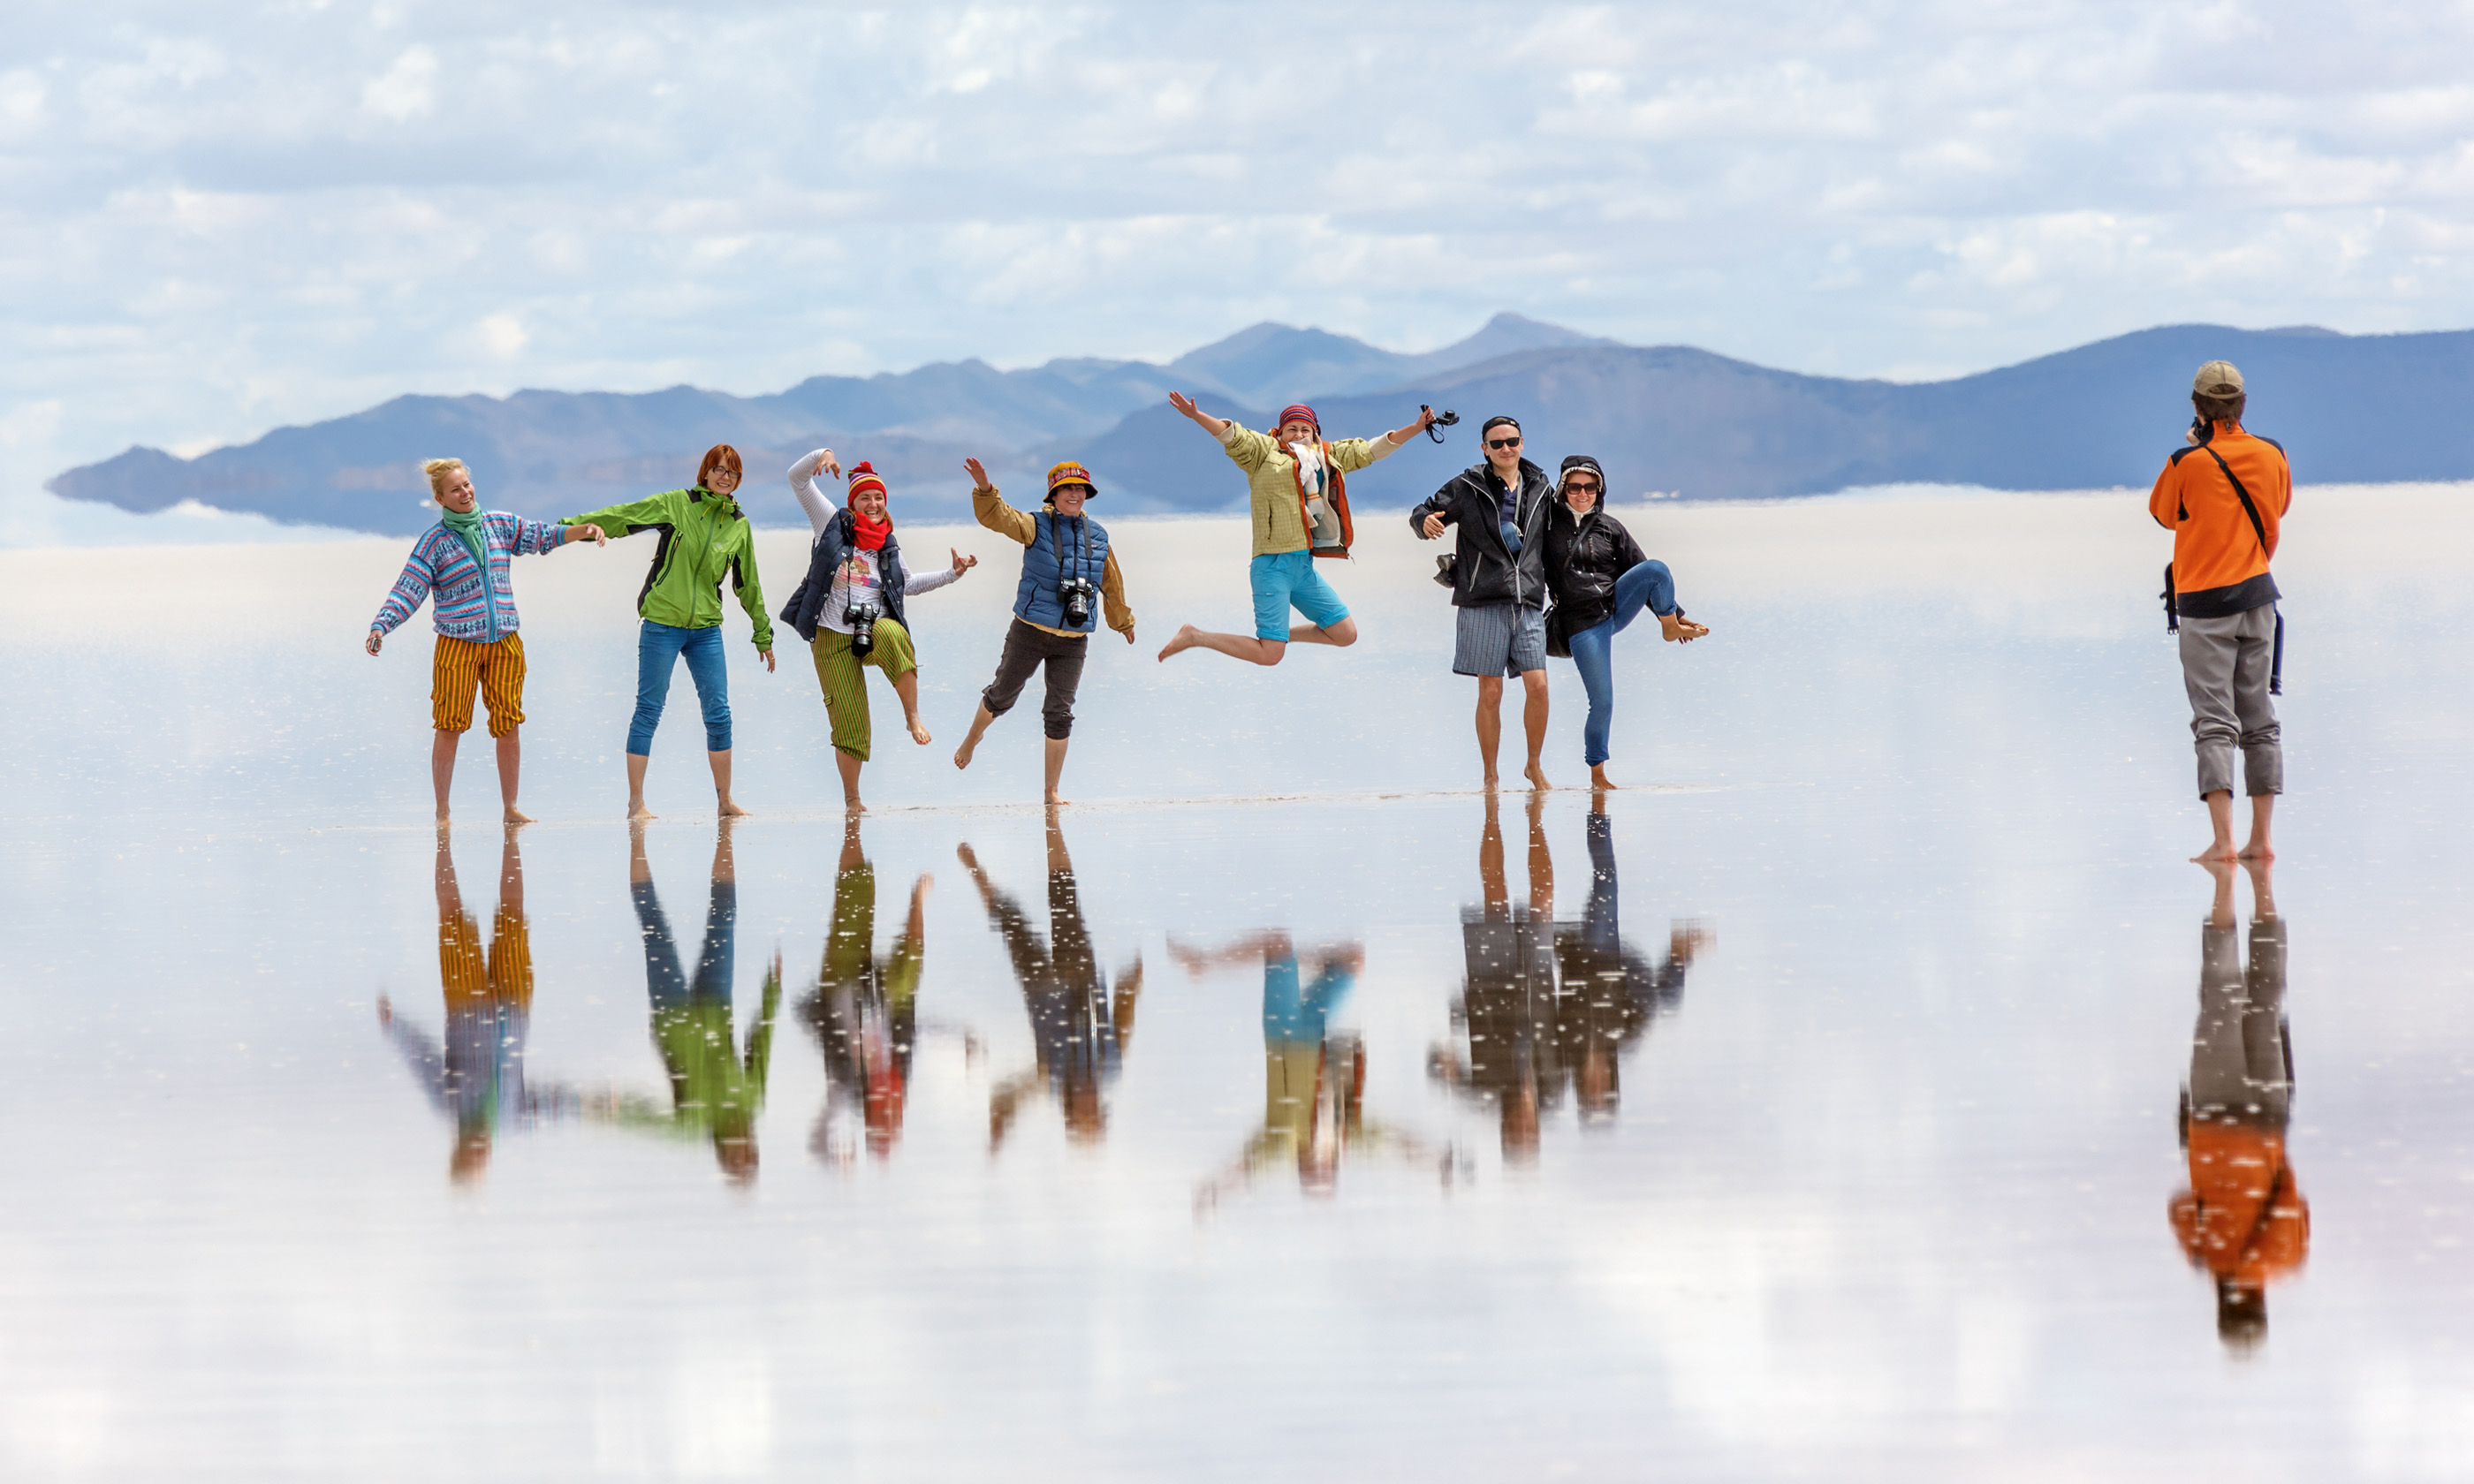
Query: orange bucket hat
[[1070, 472]]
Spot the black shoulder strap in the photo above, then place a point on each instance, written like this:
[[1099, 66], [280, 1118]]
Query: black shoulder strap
[[2258, 527]]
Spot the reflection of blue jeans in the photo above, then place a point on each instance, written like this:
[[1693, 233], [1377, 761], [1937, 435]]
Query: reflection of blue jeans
[[658, 650], [665, 984], [1650, 585], [1296, 1013]]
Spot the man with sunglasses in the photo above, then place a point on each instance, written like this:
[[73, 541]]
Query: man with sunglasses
[[1498, 582]]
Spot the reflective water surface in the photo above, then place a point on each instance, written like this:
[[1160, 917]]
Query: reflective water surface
[[1870, 1092]]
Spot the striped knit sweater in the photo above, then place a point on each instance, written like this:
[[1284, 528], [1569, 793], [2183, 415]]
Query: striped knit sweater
[[442, 570]]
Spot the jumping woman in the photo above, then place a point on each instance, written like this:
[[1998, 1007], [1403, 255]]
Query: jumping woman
[[1601, 582]]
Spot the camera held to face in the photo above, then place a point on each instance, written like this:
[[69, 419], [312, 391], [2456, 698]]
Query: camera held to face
[[862, 617], [1074, 595]]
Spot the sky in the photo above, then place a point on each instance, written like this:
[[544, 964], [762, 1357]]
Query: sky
[[220, 220]]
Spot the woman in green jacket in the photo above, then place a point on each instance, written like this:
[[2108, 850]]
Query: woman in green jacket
[[705, 536]]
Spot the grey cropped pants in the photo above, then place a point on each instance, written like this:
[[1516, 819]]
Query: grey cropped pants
[[2225, 664]]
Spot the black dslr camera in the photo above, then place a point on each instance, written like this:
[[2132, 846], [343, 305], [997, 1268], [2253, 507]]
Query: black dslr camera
[[1443, 420], [862, 617], [1074, 596]]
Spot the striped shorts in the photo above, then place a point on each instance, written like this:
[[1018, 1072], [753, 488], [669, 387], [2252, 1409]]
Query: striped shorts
[[845, 689], [1499, 638], [459, 665]]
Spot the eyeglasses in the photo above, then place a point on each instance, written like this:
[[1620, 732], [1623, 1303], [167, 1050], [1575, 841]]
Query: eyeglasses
[[1503, 442], [1580, 487]]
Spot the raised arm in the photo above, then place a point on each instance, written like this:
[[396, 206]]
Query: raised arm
[[1217, 427], [803, 484], [992, 511]]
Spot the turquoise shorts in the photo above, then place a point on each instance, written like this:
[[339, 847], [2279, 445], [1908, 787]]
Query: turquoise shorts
[[1289, 578]]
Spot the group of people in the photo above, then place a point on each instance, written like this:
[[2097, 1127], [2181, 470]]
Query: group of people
[[1522, 545]]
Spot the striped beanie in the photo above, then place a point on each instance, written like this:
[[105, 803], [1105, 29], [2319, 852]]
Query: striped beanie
[[1299, 412], [1070, 472], [863, 479]]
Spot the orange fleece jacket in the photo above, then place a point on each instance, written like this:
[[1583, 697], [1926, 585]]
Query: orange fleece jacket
[[2213, 544]]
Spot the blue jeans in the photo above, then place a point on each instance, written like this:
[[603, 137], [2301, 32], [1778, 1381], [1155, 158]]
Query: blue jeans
[[1647, 585], [658, 650]]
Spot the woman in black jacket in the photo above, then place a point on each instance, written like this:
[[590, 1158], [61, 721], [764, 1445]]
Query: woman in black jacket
[[1601, 582]]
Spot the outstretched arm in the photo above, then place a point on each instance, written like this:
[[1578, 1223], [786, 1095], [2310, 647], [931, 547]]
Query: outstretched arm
[[803, 484], [1217, 427], [403, 599], [1252, 948]]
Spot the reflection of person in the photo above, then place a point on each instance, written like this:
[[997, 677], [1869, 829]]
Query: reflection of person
[[1298, 484], [1079, 1030], [1508, 997], [1601, 581], [1314, 1079], [856, 563], [2224, 499], [1499, 584], [2242, 1220], [1069, 580], [460, 566], [1609, 992], [713, 1091], [864, 1009], [705, 538], [475, 1070]]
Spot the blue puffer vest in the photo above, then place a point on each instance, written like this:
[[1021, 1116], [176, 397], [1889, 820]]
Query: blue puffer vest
[[1067, 547]]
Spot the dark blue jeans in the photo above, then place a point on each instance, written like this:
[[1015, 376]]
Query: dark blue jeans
[[658, 650], [1649, 586]]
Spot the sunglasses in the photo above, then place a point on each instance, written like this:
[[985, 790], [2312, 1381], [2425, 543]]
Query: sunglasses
[[1503, 442], [1580, 487]]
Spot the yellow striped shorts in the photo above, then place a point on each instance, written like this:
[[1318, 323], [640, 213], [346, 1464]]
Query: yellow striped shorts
[[459, 666]]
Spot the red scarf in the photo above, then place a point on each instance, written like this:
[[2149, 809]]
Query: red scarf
[[870, 534]]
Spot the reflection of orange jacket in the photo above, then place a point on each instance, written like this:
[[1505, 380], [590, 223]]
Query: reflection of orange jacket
[[2244, 1217], [2213, 543]]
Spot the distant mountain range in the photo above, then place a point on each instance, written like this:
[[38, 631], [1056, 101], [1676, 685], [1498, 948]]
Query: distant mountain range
[[1664, 420]]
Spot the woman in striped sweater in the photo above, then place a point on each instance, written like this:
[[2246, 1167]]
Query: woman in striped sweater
[[460, 566]]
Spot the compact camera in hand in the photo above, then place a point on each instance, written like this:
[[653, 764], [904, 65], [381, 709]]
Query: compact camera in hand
[[1074, 595], [861, 617]]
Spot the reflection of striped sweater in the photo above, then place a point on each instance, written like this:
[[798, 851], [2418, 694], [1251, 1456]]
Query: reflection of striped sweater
[[442, 570]]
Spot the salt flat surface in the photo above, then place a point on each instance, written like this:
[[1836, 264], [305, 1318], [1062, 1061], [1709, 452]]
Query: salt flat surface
[[1875, 1186]]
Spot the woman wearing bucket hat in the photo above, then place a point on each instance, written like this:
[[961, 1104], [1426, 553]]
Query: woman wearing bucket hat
[[1069, 580], [849, 607], [1601, 581]]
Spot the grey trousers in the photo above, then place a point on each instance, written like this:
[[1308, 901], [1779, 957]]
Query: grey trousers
[[2225, 667], [2237, 1053]]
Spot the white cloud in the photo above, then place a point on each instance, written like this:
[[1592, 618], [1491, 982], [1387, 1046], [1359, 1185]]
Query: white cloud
[[404, 91], [504, 336]]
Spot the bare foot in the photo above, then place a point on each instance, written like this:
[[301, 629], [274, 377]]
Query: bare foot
[[1537, 777], [1056, 800], [730, 809], [1598, 779], [2257, 849], [919, 732], [514, 816], [1676, 629], [852, 805], [963, 754], [442, 816], [636, 810], [2221, 851], [1490, 782], [1184, 640]]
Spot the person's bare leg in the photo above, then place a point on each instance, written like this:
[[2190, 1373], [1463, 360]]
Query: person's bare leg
[[1340, 635], [1599, 782], [1055, 770], [1238, 646], [2220, 820], [441, 765], [725, 866], [971, 739], [639, 870], [1490, 723], [1496, 891], [906, 686], [1541, 863], [727, 806], [2221, 911], [2262, 805], [511, 875], [636, 809], [511, 761], [2263, 895], [1533, 717], [849, 767], [1058, 858]]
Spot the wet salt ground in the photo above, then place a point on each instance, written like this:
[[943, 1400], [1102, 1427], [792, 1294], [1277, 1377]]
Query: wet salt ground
[[1885, 1194]]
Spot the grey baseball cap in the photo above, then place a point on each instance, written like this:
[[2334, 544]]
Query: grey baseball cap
[[2218, 378]]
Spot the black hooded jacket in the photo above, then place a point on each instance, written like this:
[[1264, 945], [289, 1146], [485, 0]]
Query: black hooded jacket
[[1485, 571], [1585, 555]]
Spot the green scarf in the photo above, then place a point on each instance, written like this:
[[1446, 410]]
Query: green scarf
[[467, 527]]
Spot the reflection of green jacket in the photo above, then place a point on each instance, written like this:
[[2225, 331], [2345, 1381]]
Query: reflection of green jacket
[[705, 536], [711, 1091]]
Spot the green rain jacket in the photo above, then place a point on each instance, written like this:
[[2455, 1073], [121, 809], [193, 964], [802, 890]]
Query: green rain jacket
[[704, 536]]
